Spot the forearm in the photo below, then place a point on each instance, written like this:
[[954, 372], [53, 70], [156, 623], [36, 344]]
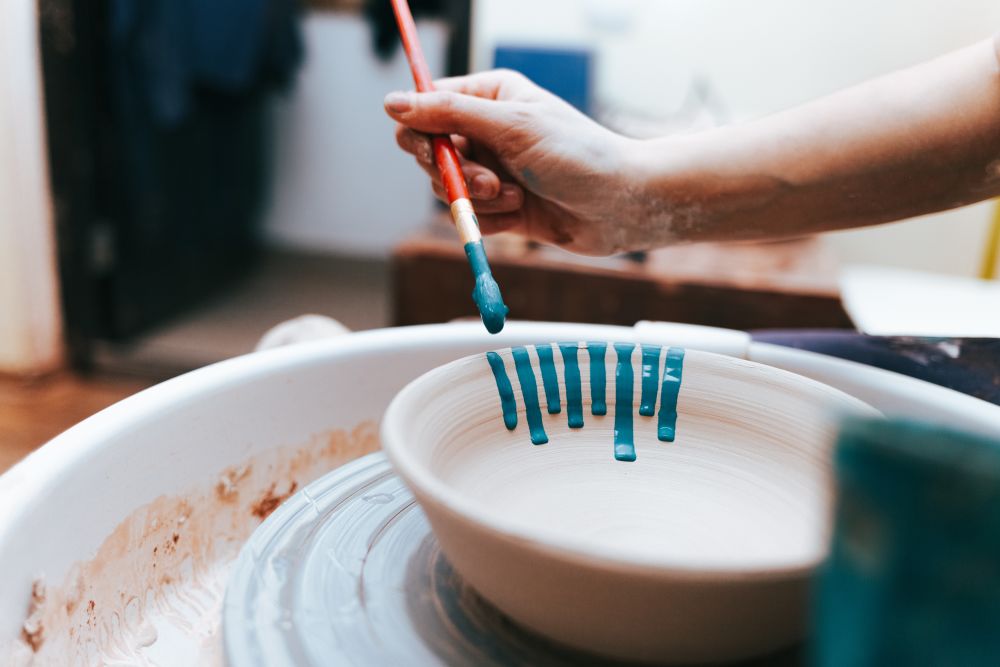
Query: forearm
[[917, 141]]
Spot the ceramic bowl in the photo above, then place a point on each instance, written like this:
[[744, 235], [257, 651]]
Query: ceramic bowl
[[636, 501]]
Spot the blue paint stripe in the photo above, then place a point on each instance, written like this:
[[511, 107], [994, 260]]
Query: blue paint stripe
[[529, 390], [624, 438], [550, 380], [505, 390], [673, 368], [574, 388], [598, 378], [650, 379]]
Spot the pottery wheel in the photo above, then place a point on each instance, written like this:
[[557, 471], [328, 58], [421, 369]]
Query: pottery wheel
[[347, 572]]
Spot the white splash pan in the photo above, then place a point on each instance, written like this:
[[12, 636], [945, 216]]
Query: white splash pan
[[132, 519]]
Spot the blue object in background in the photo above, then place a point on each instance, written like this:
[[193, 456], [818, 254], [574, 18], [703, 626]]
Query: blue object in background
[[968, 365], [565, 72], [913, 576], [165, 53]]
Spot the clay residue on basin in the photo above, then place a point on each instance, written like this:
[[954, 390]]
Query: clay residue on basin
[[152, 594]]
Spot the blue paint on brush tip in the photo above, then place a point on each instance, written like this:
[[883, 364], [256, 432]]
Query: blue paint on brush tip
[[571, 378], [673, 367], [624, 437], [598, 379], [550, 380], [486, 293], [529, 390], [650, 379], [504, 388]]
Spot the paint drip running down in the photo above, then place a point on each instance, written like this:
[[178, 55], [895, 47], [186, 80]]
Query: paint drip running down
[[486, 293], [624, 437]]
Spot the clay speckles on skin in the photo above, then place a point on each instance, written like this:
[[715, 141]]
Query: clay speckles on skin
[[992, 174], [162, 571]]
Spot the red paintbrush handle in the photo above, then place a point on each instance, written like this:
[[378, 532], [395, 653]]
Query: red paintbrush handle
[[445, 154]]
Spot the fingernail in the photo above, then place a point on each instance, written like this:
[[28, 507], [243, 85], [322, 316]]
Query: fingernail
[[481, 186], [397, 102], [510, 191]]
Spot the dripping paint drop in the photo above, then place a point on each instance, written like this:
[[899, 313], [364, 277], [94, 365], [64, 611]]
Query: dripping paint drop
[[624, 421], [624, 438], [505, 390], [550, 380], [571, 378], [598, 379], [650, 379], [486, 293], [673, 367], [529, 391]]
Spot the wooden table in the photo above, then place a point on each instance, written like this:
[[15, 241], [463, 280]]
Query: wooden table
[[790, 284]]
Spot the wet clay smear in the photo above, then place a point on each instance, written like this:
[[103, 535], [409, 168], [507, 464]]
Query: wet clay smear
[[153, 592], [33, 630], [270, 500]]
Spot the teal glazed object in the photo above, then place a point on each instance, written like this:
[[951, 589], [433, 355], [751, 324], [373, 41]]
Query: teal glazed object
[[486, 292], [626, 499], [913, 576], [624, 388]]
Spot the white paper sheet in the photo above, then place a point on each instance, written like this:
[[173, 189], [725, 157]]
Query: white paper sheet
[[898, 302]]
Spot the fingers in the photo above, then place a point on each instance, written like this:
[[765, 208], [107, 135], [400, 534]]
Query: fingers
[[494, 223], [418, 143], [509, 200], [492, 85], [447, 112], [503, 214], [414, 143], [483, 182]]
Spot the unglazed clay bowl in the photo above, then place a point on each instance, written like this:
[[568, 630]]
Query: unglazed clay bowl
[[681, 525]]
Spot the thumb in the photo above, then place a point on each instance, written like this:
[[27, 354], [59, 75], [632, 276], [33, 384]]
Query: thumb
[[446, 112]]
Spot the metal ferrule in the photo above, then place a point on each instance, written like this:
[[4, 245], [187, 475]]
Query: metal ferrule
[[465, 221]]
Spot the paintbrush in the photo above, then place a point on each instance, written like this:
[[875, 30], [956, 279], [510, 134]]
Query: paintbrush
[[486, 293]]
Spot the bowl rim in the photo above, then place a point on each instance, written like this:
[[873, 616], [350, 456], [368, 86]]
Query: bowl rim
[[426, 485]]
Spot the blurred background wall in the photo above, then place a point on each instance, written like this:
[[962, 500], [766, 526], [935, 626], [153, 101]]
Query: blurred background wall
[[338, 188], [30, 333], [755, 57], [759, 57], [341, 184]]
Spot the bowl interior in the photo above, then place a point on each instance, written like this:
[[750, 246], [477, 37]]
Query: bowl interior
[[643, 454]]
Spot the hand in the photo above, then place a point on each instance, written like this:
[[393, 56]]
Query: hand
[[534, 164], [918, 141]]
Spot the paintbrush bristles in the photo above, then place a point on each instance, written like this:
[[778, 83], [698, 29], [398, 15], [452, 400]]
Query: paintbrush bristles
[[486, 293]]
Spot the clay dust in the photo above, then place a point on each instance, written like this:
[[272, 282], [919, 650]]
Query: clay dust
[[152, 594]]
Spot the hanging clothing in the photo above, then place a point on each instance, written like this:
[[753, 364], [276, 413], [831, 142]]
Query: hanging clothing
[[385, 34], [170, 49]]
